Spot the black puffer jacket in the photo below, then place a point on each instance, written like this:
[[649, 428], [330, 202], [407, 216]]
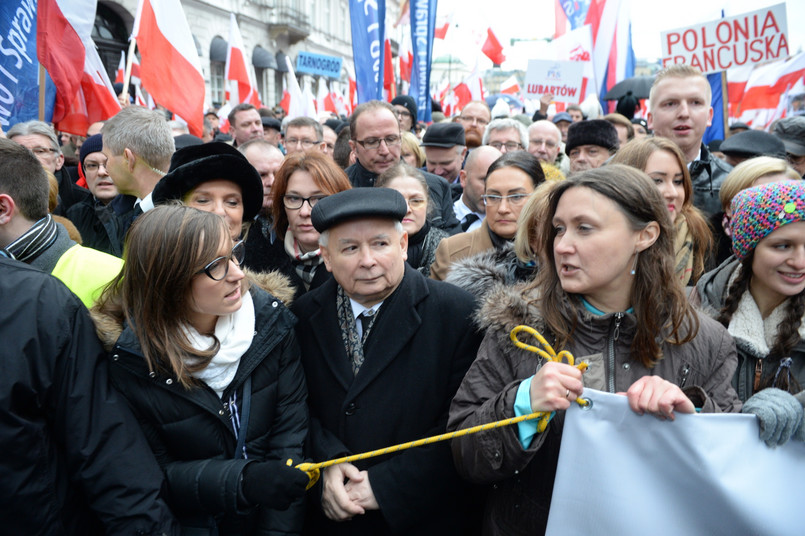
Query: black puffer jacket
[[191, 433], [99, 225], [72, 459]]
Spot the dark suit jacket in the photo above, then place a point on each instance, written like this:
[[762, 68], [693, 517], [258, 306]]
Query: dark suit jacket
[[418, 351]]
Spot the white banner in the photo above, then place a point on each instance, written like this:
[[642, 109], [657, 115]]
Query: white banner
[[755, 37], [622, 473], [563, 79]]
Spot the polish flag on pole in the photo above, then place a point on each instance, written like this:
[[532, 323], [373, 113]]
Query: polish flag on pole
[[170, 69], [475, 84], [121, 70], [510, 86], [62, 28], [324, 98], [389, 83], [285, 101], [406, 58], [442, 24], [236, 71], [492, 48], [300, 104], [767, 86], [95, 99]]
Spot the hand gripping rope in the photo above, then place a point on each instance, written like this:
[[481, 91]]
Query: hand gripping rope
[[313, 469]]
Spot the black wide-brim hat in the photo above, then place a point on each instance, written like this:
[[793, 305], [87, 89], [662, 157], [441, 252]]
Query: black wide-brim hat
[[197, 164]]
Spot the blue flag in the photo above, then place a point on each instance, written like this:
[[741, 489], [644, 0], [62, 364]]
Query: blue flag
[[716, 129], [423, 24], [19, 68], [368, 20]]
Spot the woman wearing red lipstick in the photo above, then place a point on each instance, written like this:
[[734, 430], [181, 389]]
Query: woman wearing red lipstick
[[209, 363], [759, 294], [606, 293], [664, 162]]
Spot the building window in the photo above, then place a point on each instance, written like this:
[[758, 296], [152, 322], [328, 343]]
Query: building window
[[217, 90]]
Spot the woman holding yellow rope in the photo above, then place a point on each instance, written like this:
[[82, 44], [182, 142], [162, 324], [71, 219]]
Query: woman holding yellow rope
[[607, 293]]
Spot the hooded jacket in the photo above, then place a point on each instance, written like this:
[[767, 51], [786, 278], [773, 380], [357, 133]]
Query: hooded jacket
[[190, 430], [753, 335], [521, 480]]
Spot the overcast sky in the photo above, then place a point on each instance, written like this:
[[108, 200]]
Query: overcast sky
[[534, 20]]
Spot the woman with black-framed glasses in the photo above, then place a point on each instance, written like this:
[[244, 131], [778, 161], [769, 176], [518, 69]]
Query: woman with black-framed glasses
[[302, 180], [208, 362]]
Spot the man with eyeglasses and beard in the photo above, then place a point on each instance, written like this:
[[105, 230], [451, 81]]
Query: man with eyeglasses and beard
[[474, 118], [377, 144]]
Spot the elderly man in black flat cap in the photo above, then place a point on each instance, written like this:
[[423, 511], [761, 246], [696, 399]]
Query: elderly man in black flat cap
[[384, 350], [445, 150]]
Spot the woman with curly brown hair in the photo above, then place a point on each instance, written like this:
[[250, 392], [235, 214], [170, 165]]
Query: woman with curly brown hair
[[664, 162], [607, 293]]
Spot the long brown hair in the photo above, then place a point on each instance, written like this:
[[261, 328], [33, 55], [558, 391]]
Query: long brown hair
[[330, 179], [636, 154], [659, 301], [165, 248]]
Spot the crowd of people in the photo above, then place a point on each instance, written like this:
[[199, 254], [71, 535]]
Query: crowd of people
[[186, 320]]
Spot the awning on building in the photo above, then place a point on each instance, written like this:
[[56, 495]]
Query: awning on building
[[218, 49], [263, 59], [281, 65]]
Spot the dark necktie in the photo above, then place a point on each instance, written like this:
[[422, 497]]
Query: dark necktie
[[367, 318], [469, 219]]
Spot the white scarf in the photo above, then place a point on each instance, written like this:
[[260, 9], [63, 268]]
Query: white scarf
[[235, 333]]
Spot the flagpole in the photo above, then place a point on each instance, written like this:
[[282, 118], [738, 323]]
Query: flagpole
[[41, 92], [127, 74]]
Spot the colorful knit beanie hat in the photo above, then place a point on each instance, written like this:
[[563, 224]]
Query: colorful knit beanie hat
[[758, 211]]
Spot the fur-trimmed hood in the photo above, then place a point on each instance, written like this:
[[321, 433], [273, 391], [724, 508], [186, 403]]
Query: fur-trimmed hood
[[275, 283], [752, 333], [481, 273]]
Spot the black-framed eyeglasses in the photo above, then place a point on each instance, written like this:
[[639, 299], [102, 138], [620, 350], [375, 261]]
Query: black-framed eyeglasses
[[218, 268], [513, 199], [92, 166], [403, 113], [509, 145], [307, 144], [295, 202], [374, 143]]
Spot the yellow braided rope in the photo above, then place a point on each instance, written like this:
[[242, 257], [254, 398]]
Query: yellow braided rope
[[313, 469]]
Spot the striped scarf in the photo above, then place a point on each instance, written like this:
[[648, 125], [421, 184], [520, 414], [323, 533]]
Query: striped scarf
[[34, 241]]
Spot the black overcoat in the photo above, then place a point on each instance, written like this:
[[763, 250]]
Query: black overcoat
[[417, 353]]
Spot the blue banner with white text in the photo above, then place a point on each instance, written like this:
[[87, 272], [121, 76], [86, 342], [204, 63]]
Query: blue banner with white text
[[368, 20], [19, 68], [423, 24]]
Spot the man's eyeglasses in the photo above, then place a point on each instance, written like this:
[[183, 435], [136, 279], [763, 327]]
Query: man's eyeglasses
[[41, 151], [374, 143], [93, 166], [218, 268], [513, 199], [307, 144], [477, 120], [403, 113], [295, 202], [509, 145]]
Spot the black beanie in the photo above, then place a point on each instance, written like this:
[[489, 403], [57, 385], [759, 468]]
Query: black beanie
[[592, 132], [93, 144]]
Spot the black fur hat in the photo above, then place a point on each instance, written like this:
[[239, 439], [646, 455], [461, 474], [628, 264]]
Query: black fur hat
[[592, 132], [196, 164]]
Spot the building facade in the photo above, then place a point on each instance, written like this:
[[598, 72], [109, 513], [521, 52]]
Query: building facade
[[271, 30]]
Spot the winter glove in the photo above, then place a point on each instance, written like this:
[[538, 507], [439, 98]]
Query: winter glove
[[779, 413], [273, 484]]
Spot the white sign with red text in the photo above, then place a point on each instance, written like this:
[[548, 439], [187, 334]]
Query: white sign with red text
[[722, 44], [562, 79]]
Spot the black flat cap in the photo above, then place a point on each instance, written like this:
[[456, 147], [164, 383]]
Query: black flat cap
[[358, 203], [444, 135], [792, 131], [196, 164], [751, 143], [271, 122]]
